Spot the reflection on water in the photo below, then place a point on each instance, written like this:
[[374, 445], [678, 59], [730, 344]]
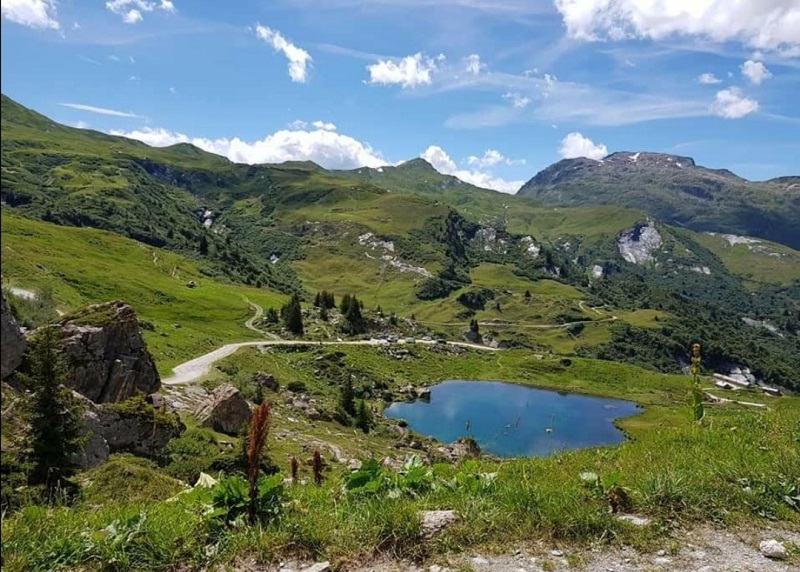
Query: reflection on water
[[514, 420]]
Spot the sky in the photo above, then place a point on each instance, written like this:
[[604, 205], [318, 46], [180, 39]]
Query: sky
[[491, 91]]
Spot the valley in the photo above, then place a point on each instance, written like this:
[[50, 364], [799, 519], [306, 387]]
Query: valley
[[186, 292]]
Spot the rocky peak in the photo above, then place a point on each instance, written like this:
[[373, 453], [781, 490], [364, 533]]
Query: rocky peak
[[106, 356], [13, 345], [647, 159]]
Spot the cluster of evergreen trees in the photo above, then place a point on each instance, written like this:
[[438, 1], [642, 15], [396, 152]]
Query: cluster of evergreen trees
[[347, 411], [354, 322], [324, 300], [292, 315]]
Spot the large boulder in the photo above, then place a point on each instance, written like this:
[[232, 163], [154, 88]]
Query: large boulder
[[133, 426], [13, 343], [225, 410], [106, 356], [266, 381]]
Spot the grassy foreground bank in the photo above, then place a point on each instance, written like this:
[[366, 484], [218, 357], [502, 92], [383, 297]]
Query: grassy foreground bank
[[742, 467]]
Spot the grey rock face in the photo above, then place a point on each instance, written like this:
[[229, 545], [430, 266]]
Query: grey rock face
[[225, 410], [107, 358], [266, 380], [636, 245], [111, 429], [13, 344]]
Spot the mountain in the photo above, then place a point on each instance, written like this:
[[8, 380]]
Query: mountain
[[407, 240], [676, 190]]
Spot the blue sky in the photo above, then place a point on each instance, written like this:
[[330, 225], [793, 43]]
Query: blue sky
[[489, 90]]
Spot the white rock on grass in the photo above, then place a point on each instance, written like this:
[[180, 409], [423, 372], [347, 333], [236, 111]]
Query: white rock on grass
[[434, 521], [319, 567], [773, 549]]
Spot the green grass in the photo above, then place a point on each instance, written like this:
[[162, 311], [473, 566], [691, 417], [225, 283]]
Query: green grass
[[735, 470], [84, 266], [762, 263]]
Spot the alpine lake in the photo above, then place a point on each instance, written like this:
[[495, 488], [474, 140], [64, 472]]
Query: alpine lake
[[511, 420]]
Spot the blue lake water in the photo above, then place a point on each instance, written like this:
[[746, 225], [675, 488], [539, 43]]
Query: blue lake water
[[511, 420]]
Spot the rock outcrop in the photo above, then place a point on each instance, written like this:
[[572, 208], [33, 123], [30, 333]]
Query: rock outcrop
[[13, 343], [636, 245], [225, 410], [133, 427], [106, 357]]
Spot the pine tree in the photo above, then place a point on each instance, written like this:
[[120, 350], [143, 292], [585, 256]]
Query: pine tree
[[203, 245], [354, 323], [293, 316], [474, 326], [56, 428], [271, 316], [527, 295], [347, 398], [345, 304], [318, 300], [364, 417], [330, 300], [323, 314]]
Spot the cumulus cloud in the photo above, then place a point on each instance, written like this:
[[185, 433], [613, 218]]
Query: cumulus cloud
[[131, 10], [299, 59], [517, 100], [763, 24], [408, 72], [492, 157], [577, 145], [326, 148], [474, 65], [442, 162], [324, 125], [31, 13], [732, 104], [708, 79], [99, 110], [756, 72]]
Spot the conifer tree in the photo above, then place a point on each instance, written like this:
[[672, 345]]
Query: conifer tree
[[364, 417], [347, 399], [56, 429], [293, 316]]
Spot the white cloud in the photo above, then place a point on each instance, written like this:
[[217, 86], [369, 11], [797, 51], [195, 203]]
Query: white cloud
[[100, 110], [474, 65], [517, 100], [325, 126], [133, 78], [708, 79], [79, 124], [31, 13], [492, 157], [763, 24], [299, 59], [131, 10], [732, 104], [173, 90], [326, 148], [756, 72], [442, 162], [410, 71], [576, 145]]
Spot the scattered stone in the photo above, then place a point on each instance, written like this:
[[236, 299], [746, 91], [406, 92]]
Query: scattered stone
[[266, 380], [319, 567], [13, 345], [225, 410], [661, 561], [661, 553], [557, 553], [634, 519], [706, 569], [434, 521], [480, 561], [773, 549]]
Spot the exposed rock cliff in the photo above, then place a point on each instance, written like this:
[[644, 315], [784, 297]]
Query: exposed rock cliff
[[636, 245], [107, 358], [134, 426], [13, 344]]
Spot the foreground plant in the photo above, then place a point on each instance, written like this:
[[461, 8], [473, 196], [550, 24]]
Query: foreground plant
[[256, 438], [698, 411]]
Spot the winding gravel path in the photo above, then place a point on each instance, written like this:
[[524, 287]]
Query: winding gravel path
[[196, 368]]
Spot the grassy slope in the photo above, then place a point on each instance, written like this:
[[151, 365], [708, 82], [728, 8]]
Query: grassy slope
[[762, 263], [89, 266], [734, 470]]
